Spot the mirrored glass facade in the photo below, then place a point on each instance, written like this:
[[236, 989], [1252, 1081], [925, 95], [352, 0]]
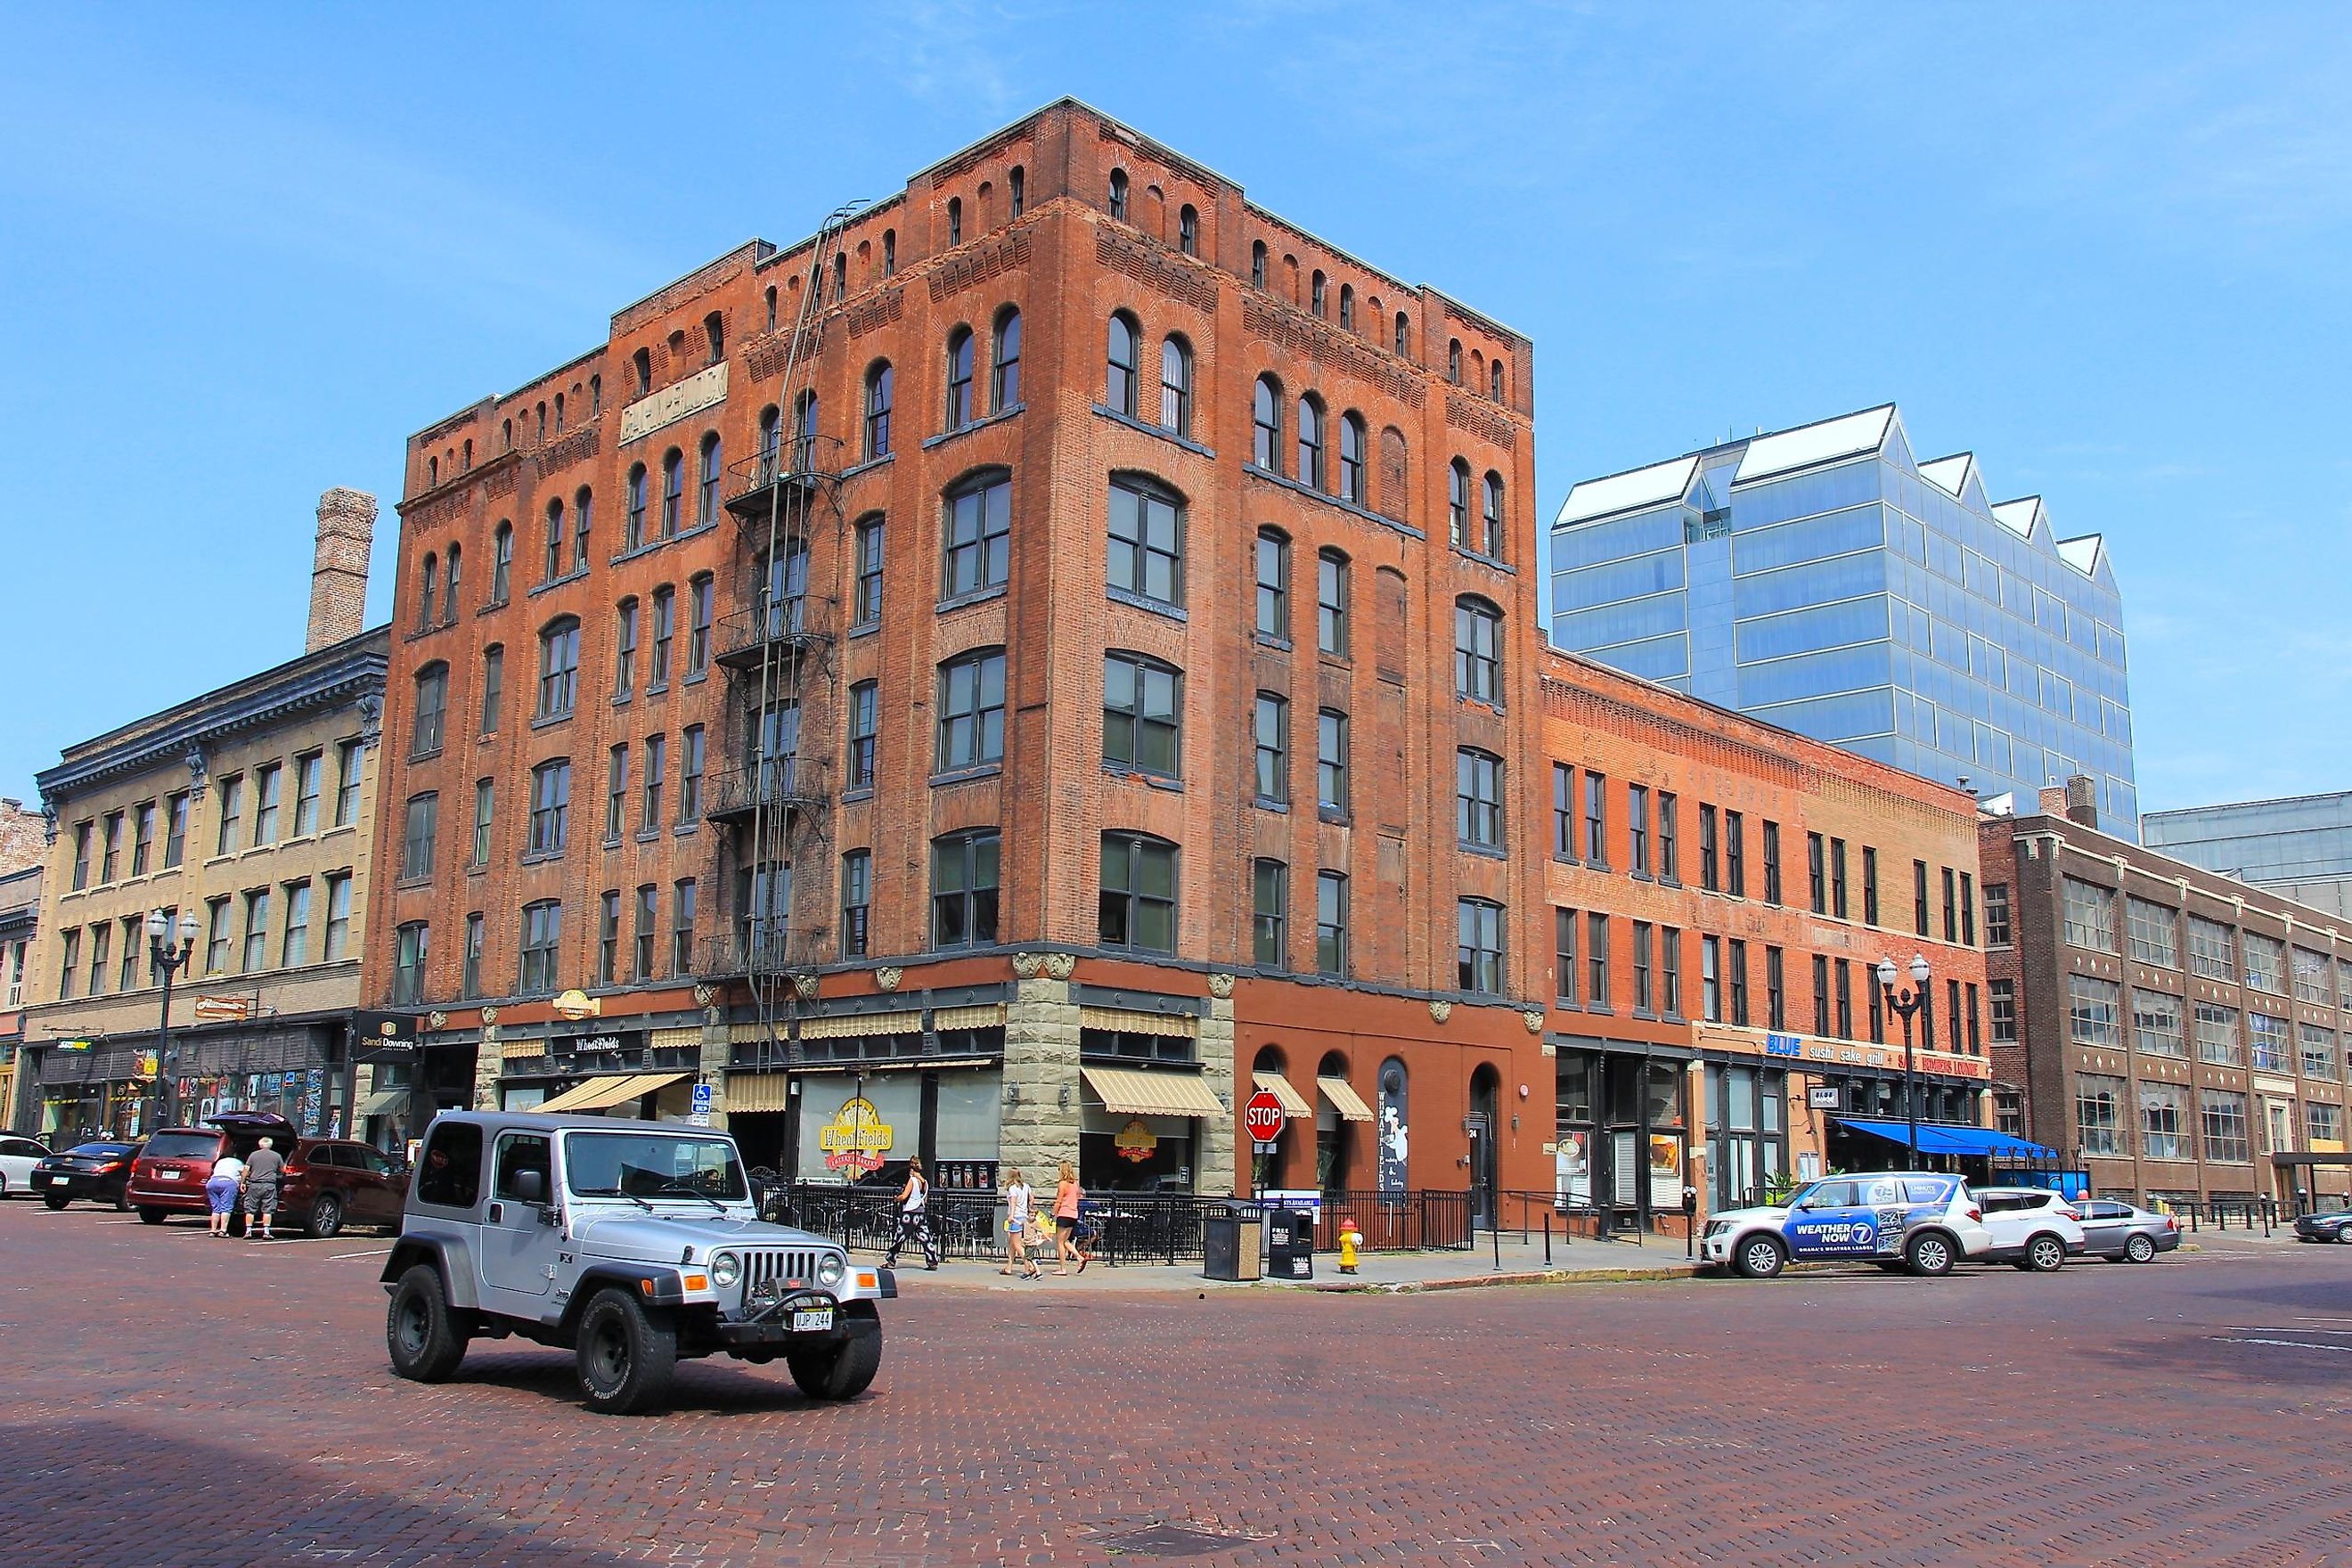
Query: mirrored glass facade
[[1857, 600], [2301, 848]]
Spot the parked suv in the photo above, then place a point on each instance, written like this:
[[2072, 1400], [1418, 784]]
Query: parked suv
[[629, 1243], [2031, 1227], [1897, 1219], [328, 1183]]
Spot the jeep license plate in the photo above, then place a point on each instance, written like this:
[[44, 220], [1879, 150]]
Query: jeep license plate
[[812, 1319]]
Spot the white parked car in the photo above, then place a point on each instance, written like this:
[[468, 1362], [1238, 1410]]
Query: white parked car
[[2033, 1227], [1915, 1220], [17, 1158]]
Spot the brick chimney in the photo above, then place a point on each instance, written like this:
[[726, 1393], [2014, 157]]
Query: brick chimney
[[2081, 801], [338, 568], [2052, 802]]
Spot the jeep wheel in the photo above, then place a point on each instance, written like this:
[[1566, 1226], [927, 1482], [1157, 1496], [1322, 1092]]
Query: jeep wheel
[[2045, 1253], [842, 1371], [625, 1354], [1929, 1253], [326, 1217], [2140, 1249], [56, 1200], [152, 1216], [426, 1342], [1760, 1257]]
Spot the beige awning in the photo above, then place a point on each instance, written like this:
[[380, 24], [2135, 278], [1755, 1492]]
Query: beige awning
[[612, 1088], [383, 1103], [987, 1014], [850, 1025], [1293, 1102], [521, 1050], [758, 1091], [689, 1037], [1131, 1092], [1179, 1024], [1344, 1099]]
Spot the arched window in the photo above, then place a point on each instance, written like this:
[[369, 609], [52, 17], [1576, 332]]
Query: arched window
[[1187, 230], [1176, 386], [1454, 361], [635, 531], [1396, 486], [595, 396], [840, 277], [673, 490], [714, 349], [1477, 650], [583, 518], [1310, 443], [877, 410], [505, 434], [1137, 903], [555, 551], [960, 378], [976, 543], [1457, 503], [502, 561], [559, 667], [805, 430], [1119, 377], [1491, 541], [1403, 339], [1266, 421], [1118, 195], [890, 252], [1347, 306], [1351, 457], [1005, 379], [713, 463], [559, 413], [432, 472], [1314, 292], [1272, 569], [428, 590], [770, 298], [642, 363], [449, 592], [1331, 602], [1495, 381], [772, 438], [1016, 185], [1257, 264], [955, 220], [1147, 539]]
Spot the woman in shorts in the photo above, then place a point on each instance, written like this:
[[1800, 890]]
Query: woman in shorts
[[220, 1193], [1018, 1204], [1066, 1198]]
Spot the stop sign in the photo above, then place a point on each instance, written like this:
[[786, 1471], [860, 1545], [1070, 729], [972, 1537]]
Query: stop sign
[[1261, 1118]]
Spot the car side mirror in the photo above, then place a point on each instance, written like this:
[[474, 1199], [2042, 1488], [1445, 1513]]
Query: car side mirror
[[530, 1186]]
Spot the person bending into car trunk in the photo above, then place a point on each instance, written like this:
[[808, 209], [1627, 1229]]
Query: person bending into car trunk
[[262, 1175], [914, 1219]]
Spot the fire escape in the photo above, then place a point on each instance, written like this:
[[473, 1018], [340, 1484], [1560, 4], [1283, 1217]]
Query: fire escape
[[771, 794]]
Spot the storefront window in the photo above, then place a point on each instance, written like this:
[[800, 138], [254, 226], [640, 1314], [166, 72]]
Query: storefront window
[[1748, 1144]]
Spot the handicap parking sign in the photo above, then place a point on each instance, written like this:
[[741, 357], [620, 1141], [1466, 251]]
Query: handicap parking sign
[[701, 1097]]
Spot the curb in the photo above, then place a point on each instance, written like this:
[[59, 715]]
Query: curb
[[1483, 1281]]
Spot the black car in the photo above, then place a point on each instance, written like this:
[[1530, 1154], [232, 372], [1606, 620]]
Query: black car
[[2331, 1227], [97, 1172]]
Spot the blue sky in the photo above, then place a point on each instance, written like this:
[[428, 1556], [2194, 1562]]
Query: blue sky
[[243, 254]]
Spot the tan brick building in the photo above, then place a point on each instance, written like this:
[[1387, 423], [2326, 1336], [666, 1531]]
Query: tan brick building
[[252, 809]]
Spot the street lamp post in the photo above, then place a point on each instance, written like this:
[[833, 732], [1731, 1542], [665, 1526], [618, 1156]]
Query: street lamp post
[[168, 960], [1905, 1004]]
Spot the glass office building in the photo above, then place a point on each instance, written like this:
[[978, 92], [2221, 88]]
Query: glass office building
[[1823, 579], [2299, 849]]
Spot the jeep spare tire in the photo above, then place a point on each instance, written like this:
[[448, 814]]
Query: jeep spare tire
[[838, 1372], [625, 1353], [423, 1335]]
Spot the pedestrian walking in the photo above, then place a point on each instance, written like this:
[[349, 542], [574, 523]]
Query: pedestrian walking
[[914, 1219], [1066, 1198], [221, 1189], [1019, 1202], [262, 1174]]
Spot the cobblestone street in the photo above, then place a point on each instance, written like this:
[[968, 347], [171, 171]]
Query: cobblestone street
[[178, 1400]]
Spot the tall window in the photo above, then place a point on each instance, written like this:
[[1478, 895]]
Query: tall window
[[1837, 878], [963, 889], [428, 590], [2090, 915], [664, 627], [877, 410], [673, 491], [294, 943], [1735, 857], [1331, 602], [550, 806], [1118, 195], [1351, 457], [1187, 230], [350, 761], [1005, 377], [978, 551], [1669, 833], [1269, 914], [1273, 584], [542, 934], [418, 829], [1816, 873], [1147, 541], [633, 533], [616, 791], [955, 220], [1919, 897], [1331, 762], [1637, 829], [1142, 714], [971, 710], [1257, 264], [1596, 820], [176, 827], [1454, 361], [1645, 971], [1266, 426], [268, 787], [485, 797], [1490, 535], [494, 673], [1776, 989], [583, 518], [1330, 922], [257, 934], [409, 952], [1457, 503], [1596, 962], [432, 709], [2099, 1113], [1347, 305], [1563, 812], [690, 774], [1869, 885], [1270, 734], [558, 667], [1401, 339], [501, 563], [1138, 904], [469, 974], [1477, 650], [1176, 386], [698, 637], [1316, 291], [856, 902], [958, 410], [1310, 444], [1121, 373], [655, 780], [714, 464], [863, 718], [625, 648], [643, 931], [1016, 189], [1567, 978], [865, 609], [1478, 798], [1478, 946]]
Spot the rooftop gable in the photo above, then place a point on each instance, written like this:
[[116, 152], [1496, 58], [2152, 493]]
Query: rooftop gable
[[1807, 446], [1669, 480]]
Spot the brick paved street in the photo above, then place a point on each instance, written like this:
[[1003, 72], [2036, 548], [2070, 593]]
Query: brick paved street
[[177, 1400]]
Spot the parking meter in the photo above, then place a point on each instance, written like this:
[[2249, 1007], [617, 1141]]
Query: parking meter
[[1690, 1221]]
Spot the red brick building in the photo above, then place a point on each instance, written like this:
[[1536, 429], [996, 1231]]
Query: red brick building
[[1002, 679]]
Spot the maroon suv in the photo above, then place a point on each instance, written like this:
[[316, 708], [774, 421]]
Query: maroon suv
[[329, 1182]]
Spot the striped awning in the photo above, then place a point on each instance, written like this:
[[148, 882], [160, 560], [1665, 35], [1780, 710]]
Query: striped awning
[[612, 1088], [987, 1014], [1293, 1102], [1344, 1099], [1181, 1026], [521, 1050], [758, 1091], [1131, 1092], [850, 1025], [673, 1039]]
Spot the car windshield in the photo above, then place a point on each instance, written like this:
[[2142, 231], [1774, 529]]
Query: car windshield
[[184, 1146], [651, 1165], [101, 1151]]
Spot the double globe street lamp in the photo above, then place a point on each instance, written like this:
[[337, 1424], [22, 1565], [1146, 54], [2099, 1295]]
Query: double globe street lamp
[[1905, 1004], [168, 960]]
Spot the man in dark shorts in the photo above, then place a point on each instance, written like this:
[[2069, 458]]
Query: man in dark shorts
[[262, 1175]]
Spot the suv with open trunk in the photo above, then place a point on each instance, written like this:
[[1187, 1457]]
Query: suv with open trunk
[[630, 1244], [327, 1184]]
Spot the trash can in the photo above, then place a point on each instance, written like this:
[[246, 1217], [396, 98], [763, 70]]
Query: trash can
[[1230, 1245], [1290, 1244]]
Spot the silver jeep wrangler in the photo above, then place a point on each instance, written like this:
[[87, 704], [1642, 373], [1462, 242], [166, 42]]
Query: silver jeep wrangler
[[629, 1243]]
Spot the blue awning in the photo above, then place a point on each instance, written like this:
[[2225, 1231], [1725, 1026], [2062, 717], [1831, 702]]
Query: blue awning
[[1938, 1139]]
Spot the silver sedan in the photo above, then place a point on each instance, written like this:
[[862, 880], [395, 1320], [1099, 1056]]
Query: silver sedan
[[2120, 1232]]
